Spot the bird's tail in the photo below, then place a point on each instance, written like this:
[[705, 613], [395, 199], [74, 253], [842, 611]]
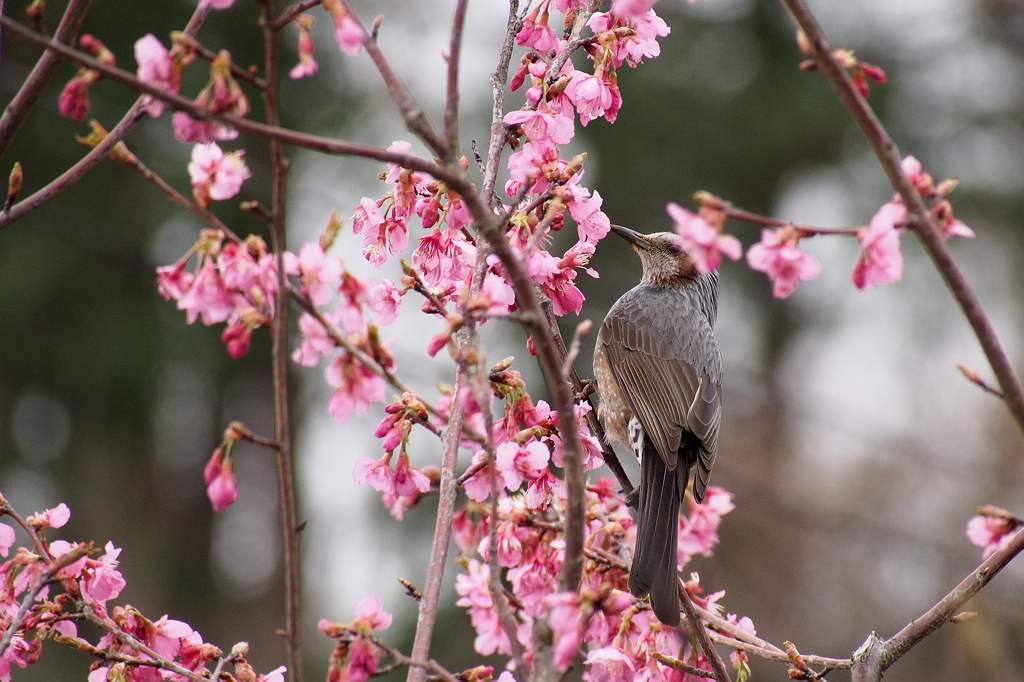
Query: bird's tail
[[654, 561]]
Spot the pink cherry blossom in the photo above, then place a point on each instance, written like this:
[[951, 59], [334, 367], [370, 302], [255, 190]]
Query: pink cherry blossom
[[221, 487], [702, 243], [881, 261], [698, 532], [370, 615], [315, 342], [543, 124], [517, 463], [357, 387], [367, 217], [156, 68], [103, 581], [7, 538], [319, 273], [51, 518], [216, 175], [778, 256], [608, 664], [992, 533], [629, 8], [208, 298], [536, 32], [566, 625], [388, 238], [594, 96], [585, 208], [498, 292], [384, 299], [347, 30]]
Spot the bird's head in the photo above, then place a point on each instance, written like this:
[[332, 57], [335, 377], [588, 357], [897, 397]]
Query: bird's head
[[663, 258]]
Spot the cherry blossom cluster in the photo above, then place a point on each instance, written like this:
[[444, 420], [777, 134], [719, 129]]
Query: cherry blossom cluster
[[49, 586], [779, 256]]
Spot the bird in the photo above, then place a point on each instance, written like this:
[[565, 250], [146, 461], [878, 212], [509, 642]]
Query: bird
[[658, 370]]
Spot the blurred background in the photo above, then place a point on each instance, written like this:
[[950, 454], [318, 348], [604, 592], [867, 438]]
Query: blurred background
[[855, 450]]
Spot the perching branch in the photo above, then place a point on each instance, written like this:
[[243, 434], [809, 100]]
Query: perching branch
[[922, 223], [451, 109]]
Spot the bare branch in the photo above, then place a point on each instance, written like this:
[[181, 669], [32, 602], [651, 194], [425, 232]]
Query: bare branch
[[42, 72], [923, 224], [451, 110], [717, 664], [279, 353]]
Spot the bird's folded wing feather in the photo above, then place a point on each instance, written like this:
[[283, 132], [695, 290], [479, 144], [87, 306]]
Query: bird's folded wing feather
[[666, 390]]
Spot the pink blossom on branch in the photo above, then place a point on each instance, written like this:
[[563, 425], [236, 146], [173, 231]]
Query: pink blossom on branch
[[991, 532], [881, 261], [216, 175], [704, 244], [7, 539], [347, 31], [156, 68], [778, 255], [307, 65], [221, 487]]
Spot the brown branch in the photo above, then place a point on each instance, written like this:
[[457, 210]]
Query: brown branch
[[19, 106], [289, 14], [922, 223], [415, 120], [55, 567], [498, 80], [282, 424], [134, 643], [76, 172], [125, 156], [779, 656], [766, 221], [326, 145], [451, 109], [429, 665], [717, 664], [679, 665], [237, 71], [880, 655]]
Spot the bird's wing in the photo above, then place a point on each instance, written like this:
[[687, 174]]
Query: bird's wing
[[667, 367]]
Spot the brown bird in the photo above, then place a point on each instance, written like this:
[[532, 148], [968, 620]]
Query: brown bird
[[659, 375]]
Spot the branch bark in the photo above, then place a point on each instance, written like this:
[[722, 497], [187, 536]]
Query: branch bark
[[282, 424], [880, 655], [922, 224], [15, 112]]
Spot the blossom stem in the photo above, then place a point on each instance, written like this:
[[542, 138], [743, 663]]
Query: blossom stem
[[498, 79], [282, 425], [29, 530], [922, 224], [706, 643], [23, 100], [82, 167], [804, 230], [237, 71]]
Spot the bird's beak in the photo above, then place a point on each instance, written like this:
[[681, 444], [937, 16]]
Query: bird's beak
[[632, 236]]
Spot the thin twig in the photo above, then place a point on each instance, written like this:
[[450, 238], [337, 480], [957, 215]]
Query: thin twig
[[282, 424], [681, 666], [451, 109], [427, 665], [923, 224], [237, 71], [804, 230], [498, 80], [976, 379], [717, 664], [42, 72], [291, 12]]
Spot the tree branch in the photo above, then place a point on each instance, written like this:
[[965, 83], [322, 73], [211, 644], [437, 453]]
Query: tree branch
[[717, 664], [880, 655], [15, 112], [451, 109], [922, 224], [97, 154], [282, 425]]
